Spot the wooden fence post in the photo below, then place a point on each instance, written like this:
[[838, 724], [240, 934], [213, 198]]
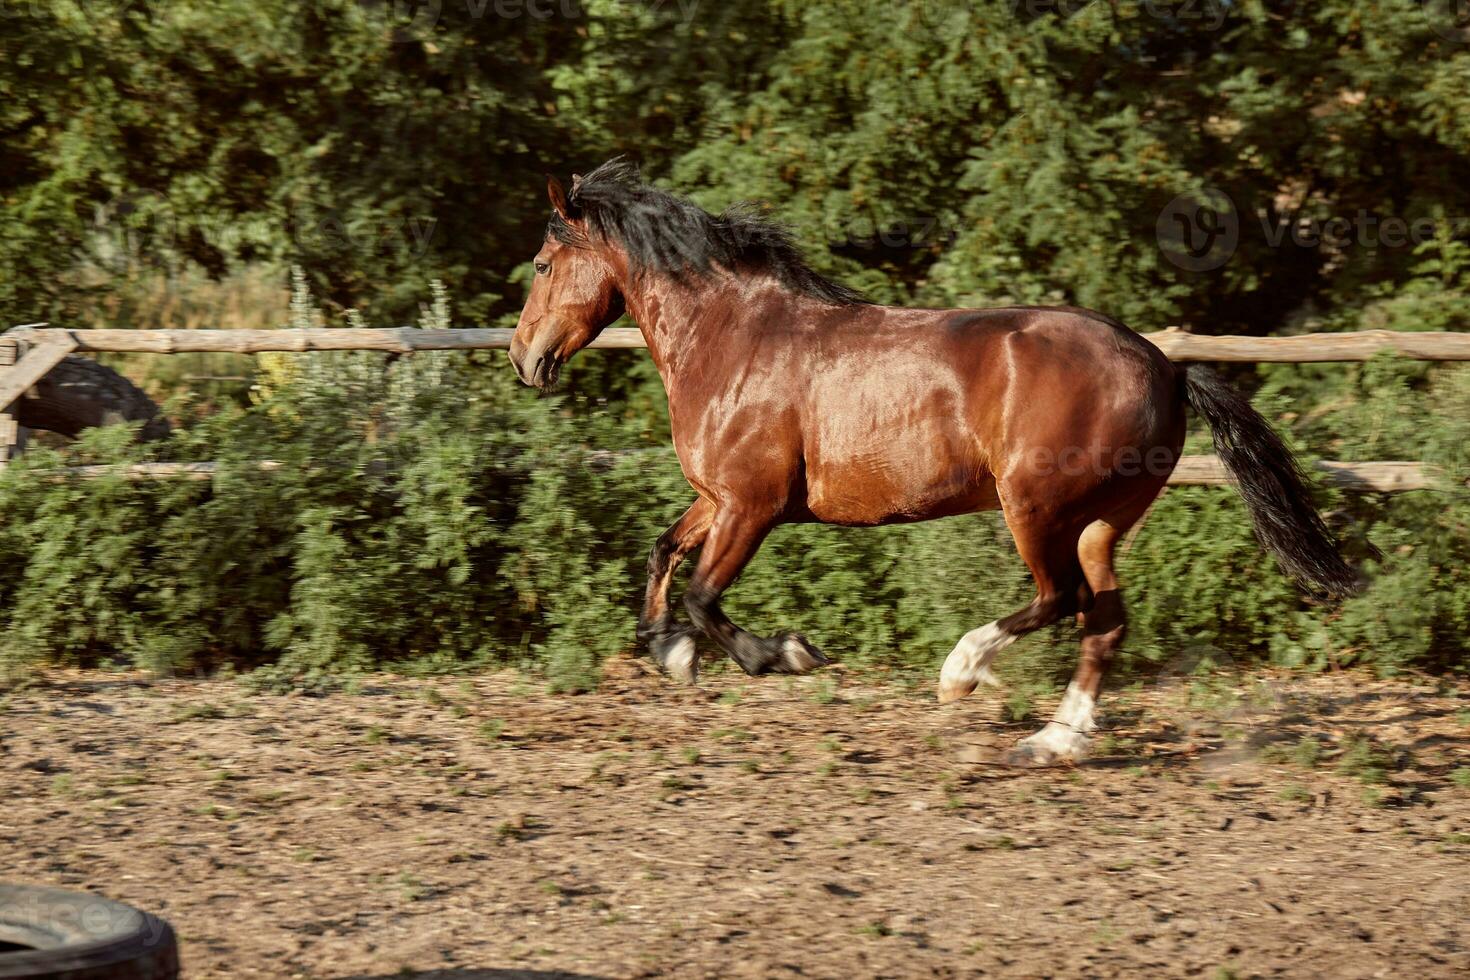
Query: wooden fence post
[[9, 429]]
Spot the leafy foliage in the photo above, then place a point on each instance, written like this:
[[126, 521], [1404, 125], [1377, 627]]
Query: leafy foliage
[[956, 152]]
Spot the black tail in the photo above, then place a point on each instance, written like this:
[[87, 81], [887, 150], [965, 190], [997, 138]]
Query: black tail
[[1272, 483]]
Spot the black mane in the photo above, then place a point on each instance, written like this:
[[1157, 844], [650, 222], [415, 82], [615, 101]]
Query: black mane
[[666, 234]]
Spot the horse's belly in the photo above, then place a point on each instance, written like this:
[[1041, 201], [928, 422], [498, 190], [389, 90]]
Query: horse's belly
[[879, 490]]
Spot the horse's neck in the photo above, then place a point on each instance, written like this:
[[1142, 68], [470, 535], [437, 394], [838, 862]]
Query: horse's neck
[[688, 325]]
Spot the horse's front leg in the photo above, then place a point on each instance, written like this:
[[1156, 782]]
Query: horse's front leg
[[671, 643], [733, 540]]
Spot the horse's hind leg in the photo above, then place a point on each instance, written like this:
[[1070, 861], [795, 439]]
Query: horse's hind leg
[[671, 643], [733, 540], [1050, 552], [1065, 737]]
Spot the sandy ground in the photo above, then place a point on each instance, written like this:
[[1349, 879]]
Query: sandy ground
[[824, 827]]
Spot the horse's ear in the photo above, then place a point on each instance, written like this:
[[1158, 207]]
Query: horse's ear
[[558, 196], [576, 183]]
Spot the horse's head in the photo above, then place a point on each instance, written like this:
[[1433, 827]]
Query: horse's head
[[574, 294]]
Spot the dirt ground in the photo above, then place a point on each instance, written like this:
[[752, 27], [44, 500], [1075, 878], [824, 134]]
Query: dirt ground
[[830, 826]]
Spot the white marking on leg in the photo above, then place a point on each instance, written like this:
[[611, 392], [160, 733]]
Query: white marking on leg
[[1065, 736], [1076, 710], [968, 664], [681, 660], [1055, 742]]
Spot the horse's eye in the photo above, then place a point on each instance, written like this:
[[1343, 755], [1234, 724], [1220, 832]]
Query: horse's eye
[[542, 268]]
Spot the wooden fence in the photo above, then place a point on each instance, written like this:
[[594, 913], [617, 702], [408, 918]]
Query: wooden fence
[[28, 352]]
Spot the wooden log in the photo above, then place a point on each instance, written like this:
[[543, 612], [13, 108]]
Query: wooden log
[[30, 360], [190, 472], [1192, 471], [1176, 344], [1381, 477], [397, 340], [1360, 345]]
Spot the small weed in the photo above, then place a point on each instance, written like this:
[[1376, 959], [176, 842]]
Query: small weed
[[934, 742], [824, 692], [62, 785], [549, 887], [410, 888], [195, 712], [876, 930], [1307, 752], [1365, 761], [1004, 844], [1226, 973], [491, 730], [750, 766], [431, 696], [305, 855], [690, 755], [827, 769], [831, 745], [375, 735], [1294, 793], [1459, 839], [1018, 707], [732, 735], [506, 830], [729, 698], [674, 784], [1461, 777]]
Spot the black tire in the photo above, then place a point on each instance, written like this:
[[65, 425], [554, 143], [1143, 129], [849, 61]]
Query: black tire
[[65, 935], [79, 393]]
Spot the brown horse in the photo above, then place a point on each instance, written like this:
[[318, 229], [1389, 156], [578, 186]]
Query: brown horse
[[794, 400]]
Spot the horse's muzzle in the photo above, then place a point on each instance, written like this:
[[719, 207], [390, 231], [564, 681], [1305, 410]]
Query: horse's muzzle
[[546, 370], [542, 372]]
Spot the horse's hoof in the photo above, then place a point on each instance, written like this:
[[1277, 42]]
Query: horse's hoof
[[954, 690], [678, 656], [798, 656], [1054, 745]]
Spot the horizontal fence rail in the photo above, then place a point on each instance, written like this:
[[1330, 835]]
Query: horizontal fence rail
[[1177, 345], [27, 352], [1192, 471]]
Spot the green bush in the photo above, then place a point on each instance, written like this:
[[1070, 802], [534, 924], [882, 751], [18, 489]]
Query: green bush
[[430, 513]]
